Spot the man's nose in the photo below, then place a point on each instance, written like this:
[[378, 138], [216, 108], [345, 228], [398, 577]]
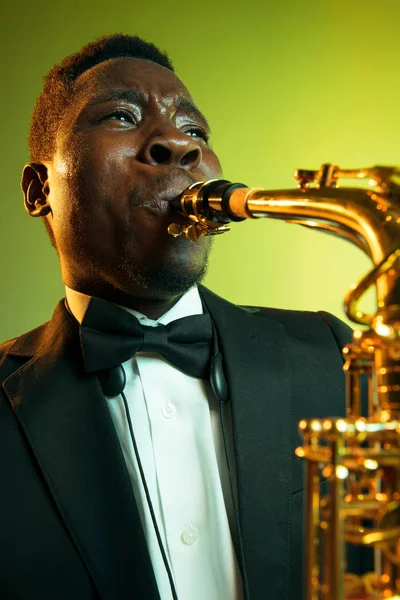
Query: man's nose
[[175, 149]]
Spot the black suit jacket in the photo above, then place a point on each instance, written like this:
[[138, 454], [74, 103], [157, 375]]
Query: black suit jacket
[[69, 525]]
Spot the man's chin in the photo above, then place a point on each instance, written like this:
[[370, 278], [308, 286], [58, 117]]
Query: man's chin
[[162, 281], [174, 275], [173, 282]]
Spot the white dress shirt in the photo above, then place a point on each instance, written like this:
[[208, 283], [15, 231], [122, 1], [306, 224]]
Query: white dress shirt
[[176, 423]]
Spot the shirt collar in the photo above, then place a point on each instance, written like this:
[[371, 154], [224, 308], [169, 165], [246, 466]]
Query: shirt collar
[[189, 304]]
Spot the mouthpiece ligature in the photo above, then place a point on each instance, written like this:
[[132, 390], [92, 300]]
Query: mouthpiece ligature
[[202, 204]]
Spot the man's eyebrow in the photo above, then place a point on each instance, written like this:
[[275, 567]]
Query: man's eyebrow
[[185, 105], [130, 95]]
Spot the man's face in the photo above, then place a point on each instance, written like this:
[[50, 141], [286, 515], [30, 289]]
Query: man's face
[[131, 141]]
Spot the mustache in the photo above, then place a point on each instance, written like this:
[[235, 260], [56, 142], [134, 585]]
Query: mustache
[[169, 183]]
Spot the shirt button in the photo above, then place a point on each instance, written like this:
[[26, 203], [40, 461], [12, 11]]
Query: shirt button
[[168, 410], [190, 535]]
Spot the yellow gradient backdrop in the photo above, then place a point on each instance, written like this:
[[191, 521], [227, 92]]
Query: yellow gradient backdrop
[[284, 84]]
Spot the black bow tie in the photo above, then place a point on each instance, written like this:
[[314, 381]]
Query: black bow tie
[[110, 336]]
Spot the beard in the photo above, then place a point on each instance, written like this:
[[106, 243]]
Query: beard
[[164, 278], [130, 276]]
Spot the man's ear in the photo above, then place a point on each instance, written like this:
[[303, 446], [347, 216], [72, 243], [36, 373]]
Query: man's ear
[[35, 187]]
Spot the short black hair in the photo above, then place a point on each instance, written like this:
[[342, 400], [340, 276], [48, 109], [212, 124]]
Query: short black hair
[[58, 88]]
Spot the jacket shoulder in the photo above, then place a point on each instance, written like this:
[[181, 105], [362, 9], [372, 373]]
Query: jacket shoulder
[[301, 326], [304, 324], [29, 338]]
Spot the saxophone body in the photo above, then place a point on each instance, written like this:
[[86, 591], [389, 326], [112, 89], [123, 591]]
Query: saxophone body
[[358, 456]]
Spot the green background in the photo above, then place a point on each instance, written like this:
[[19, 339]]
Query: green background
[[283, 84]]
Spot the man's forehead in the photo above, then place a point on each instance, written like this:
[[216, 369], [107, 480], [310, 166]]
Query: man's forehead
[[130, 72]]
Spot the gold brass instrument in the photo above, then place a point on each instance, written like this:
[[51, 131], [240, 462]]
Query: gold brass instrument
[[359, 457]]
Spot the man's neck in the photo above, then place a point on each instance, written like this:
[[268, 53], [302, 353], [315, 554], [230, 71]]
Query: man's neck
[[152, 308]]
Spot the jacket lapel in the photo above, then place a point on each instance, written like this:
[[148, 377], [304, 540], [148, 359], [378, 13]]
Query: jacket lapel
[[257, 371], [64, 417]]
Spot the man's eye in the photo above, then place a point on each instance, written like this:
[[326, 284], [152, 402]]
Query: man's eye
[[197, 132], [119, 115]]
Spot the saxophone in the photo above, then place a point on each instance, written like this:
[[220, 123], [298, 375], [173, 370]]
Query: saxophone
[[358, 456]]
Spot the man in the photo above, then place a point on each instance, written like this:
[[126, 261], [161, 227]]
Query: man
[[147, 481]]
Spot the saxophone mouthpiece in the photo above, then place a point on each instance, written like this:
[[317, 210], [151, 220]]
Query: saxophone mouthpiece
[[205, 204], [176, 202]]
